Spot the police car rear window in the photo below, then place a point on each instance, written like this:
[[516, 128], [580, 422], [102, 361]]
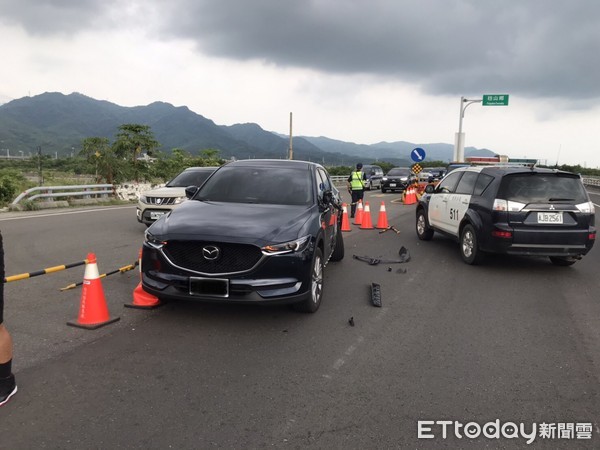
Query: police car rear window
[[542, 187]]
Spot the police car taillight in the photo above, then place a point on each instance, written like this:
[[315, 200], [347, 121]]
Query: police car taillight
[[507, 205], [587, 207], [502, 234]]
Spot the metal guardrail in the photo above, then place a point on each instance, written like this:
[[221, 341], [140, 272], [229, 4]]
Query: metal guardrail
[[51, 192], [591, 181], [587, 180]]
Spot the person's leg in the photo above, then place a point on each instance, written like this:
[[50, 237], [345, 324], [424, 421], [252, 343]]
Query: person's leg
[[354, 202], [5, 345]]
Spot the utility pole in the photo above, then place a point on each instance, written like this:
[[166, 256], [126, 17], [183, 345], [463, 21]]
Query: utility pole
[[40, 174], [459, 145], [291, 151]]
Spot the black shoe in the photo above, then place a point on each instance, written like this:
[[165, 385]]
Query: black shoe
[[8, 388]]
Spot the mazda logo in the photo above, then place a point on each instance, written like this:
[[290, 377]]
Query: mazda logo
[[211, 252]]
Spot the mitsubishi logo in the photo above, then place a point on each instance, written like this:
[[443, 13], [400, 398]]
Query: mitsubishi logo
[[211, 253], [552, 207]]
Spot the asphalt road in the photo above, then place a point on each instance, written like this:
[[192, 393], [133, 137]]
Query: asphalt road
[[514, 340]]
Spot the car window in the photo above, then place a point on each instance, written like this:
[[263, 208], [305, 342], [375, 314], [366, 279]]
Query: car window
[[243, 184], [324, 183], [448, 184], [542, 187], [466, 183], [190, 178], [399, 172], [483, 181]]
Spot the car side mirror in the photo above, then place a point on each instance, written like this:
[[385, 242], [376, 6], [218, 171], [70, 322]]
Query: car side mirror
[[190, 191], [429, 189], [328, 197]]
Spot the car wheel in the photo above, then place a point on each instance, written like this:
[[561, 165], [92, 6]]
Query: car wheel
[[338, 251], [312, 303], [563, 261], [383, 190], [423, 231], [469, 247]]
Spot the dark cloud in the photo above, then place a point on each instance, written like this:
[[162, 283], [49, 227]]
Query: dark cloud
[[536, 48], [533, 48], [54, 16]]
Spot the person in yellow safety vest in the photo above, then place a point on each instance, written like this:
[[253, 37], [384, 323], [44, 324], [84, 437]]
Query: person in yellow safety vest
[[356, 187]]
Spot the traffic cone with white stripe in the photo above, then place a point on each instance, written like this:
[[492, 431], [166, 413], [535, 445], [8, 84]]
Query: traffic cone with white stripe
[[345, 221], [366, 224], [382, 222], [93, 312], [141, 298], [359, 213]]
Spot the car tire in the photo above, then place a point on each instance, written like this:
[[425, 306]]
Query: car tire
[[424, 232], [469, 246], [338, 251], [312, 303], [383, 191], [563, 261]]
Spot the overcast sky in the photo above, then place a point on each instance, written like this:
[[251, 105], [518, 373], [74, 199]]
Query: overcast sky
[[363, 71]]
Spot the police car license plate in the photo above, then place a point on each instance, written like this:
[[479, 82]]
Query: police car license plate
[[550, 217], [155, 215], [214, 287]]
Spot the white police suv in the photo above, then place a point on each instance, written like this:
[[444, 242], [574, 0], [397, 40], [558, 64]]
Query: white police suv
[[510, 209]]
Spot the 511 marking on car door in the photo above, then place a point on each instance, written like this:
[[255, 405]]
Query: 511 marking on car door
[[454, 214]]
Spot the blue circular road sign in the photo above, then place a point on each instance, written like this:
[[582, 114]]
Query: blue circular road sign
[[418, 154]]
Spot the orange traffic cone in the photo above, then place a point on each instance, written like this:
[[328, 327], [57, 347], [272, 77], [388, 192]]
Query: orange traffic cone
[[93, 312], [359, 213], [366, 218], [409, 198], [141, 298], [382, 222], [345, 221]]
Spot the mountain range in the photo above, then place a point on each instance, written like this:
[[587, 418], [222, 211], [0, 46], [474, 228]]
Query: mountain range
[[57, 123]]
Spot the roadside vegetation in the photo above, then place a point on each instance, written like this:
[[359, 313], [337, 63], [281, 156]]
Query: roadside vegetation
[[133, 156]]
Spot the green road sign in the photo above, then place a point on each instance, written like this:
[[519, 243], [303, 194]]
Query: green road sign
[[495, 100]]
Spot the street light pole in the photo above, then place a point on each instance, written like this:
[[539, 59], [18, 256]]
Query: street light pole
[[459, 145]]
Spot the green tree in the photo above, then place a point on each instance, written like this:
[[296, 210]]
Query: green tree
[[131, 140], [101, 156]]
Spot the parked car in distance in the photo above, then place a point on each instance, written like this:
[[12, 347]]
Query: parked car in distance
[[397, 179], [437, 173], [153, 204], [374, 175], [256, 232], [515, 210]]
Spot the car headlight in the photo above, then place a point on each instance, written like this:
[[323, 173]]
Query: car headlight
[[179, 200], [143, 199], [153, 241], [384, 179], [286, 247]]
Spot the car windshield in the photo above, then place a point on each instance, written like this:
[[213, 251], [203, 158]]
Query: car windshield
[[263, 185], [399, 172], [190, 178], [542, 187]]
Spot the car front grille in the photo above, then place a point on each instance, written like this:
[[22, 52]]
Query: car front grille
[[166, 201], [189, 255]]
